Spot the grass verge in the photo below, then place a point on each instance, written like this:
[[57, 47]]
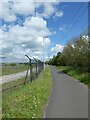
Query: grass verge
[[28, 101], [77, 73], [11, 84]]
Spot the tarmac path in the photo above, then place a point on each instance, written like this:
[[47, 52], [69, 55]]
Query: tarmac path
[[69, 97]]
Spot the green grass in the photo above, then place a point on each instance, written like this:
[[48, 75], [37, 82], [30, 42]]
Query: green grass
[[13, 83], [6, 70], [77, 73], [28, 101]]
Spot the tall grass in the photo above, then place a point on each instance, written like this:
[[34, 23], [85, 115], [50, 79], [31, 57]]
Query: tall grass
[[28, 101], [80, 74]]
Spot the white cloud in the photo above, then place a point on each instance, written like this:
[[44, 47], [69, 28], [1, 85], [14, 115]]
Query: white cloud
[[23, 8], [10, 9], [46, 41], [49, 10], [6, 12], [57, 48], [0, 9], [59, 13], [35, 22], [62, 29], [26, 39]]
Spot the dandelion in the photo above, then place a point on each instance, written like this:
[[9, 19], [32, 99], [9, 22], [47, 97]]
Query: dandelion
[[36, 105], [15, 100], [34, 114], [34, 98], [32, 117]]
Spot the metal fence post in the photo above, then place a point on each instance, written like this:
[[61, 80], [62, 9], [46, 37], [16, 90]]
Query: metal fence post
[[26, 75], [30, 67], [36, 66], [30, 70]]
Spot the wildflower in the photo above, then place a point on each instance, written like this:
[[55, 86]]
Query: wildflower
[[32, 117]]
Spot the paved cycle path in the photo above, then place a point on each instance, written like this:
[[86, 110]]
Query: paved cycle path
[[69, 98]]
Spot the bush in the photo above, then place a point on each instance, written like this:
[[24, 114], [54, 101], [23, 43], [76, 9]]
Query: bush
[[13, 64]]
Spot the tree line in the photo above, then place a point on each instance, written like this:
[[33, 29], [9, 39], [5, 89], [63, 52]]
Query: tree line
[[74, 54]]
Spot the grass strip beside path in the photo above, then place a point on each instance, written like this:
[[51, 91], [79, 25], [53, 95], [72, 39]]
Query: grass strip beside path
[[28, 101], [77, 73]]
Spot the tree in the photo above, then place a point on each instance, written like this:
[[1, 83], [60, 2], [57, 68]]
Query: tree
[[69, 54], [81, 52], [74, 54]]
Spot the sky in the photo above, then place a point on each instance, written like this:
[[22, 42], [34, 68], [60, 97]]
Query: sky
[[36, 28]]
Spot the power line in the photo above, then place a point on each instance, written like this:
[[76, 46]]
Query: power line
[[73, 18], [73, 21], [80, 28], [74, 25], [77, 31]]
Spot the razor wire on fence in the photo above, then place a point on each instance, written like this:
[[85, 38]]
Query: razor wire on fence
[[34, 67]]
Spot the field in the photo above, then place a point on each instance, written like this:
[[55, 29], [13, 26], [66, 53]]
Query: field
[[78, 73], [29, 100], [10, 69]]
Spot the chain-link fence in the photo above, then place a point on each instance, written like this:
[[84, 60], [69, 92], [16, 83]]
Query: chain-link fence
[[34, 67]]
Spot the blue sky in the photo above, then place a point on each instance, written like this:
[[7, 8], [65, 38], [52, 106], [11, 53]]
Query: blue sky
[[25, 25], [70, 18]]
